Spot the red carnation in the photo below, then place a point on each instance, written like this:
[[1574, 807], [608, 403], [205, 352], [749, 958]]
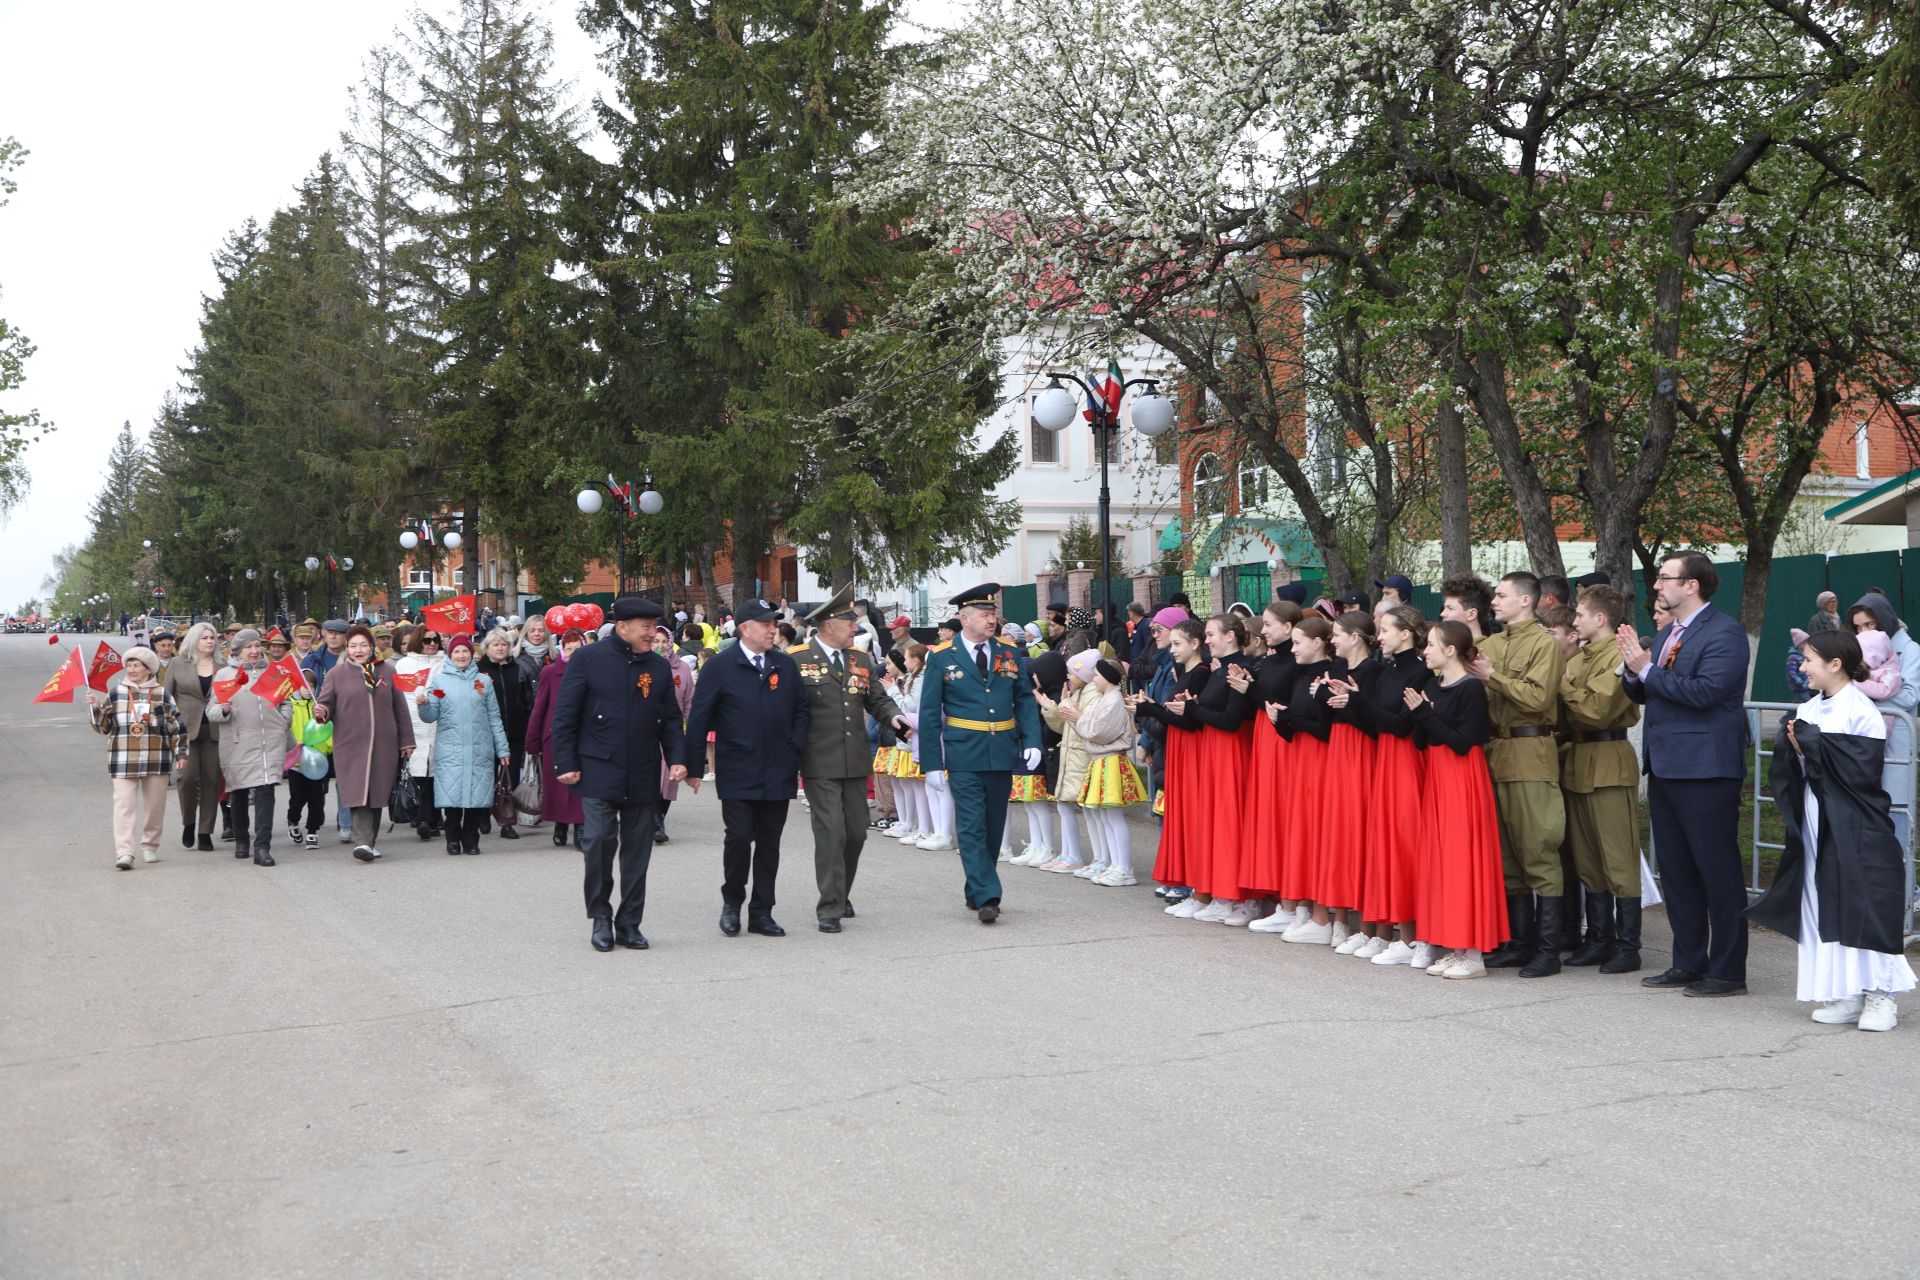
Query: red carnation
[[439, 693]]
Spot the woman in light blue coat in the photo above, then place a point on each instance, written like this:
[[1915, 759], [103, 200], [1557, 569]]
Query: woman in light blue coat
[[469, 742]]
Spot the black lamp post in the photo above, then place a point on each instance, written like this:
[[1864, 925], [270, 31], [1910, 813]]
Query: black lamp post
[[647, 502]]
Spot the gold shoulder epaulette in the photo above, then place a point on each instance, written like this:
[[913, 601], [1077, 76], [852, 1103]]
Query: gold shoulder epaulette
[[942, 647]]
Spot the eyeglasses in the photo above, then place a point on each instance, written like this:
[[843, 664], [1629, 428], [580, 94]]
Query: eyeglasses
[[1670, 577]]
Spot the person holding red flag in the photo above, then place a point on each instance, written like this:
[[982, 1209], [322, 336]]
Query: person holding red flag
[[146, 743], [256, 732]]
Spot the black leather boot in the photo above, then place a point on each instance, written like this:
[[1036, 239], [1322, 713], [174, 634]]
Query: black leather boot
[[261, 858], [1599, 943], [1546, 961], [1625, 956], [1514, 953], [560, 833]]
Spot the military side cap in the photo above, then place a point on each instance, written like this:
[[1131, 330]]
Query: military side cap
[[841, 606], [980, 597], [755, 611], [627, 608]]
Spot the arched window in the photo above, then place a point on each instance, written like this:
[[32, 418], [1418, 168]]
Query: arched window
[[1209, 485]]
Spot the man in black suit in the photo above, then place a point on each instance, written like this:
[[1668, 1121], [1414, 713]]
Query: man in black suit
[[616, 719], [751, 697], [1693, 684]]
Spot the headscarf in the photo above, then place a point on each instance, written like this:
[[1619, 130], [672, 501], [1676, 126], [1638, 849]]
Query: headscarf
[[1077, 618]]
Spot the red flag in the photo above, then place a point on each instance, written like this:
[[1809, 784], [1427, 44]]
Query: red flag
[[71, 675], [106, 661], [450, 617], [408, 681], [278, 681], [223, 690]]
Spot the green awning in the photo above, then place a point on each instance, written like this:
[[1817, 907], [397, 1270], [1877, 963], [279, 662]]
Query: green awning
[[1170, 536]]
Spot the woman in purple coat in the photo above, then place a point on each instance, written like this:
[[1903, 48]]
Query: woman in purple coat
[[682, 694], [558, 804]]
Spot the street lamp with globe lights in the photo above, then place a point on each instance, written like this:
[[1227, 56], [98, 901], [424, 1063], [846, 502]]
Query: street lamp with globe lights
[[1055, 408], [648, 503]]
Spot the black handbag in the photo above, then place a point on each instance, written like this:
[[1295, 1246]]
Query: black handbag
[[404, 805]]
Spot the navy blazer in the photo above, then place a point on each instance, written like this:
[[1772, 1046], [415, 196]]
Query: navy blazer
[[1696, 722], [615, 720], [759, 724]]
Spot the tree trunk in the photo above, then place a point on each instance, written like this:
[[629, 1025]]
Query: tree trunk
[[840, 558], [1456, 527], [1753, 600], [745, 553], [470, 550], [510, 571], [1486, 382]]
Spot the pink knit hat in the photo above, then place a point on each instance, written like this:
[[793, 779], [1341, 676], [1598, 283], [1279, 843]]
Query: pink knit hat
[[1170, 617]]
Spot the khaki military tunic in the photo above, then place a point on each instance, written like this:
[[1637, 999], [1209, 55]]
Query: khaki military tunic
[[1601, 777], [1523, 692]]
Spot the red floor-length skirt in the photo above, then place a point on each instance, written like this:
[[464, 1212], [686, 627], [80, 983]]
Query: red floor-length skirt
[[1261, 811], [1391, 877], [1343, 818], [1301, 796], [1224, 754], [1461, 900], [1181, 837]]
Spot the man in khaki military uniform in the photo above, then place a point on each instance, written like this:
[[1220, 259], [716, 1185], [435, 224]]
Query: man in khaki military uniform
[[1602, 783], [843, 687], [1521, 666]]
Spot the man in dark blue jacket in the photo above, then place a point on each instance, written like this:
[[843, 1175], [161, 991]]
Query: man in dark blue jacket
[[1693, 683], [616, 718], [751, 697]]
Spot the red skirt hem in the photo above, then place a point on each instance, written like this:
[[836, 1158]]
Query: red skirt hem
[[1462, 896]]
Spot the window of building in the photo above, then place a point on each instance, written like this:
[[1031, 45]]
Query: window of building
[[419, 577], [459, 577], [1043, 446], [1256, 482], [1209, 485]]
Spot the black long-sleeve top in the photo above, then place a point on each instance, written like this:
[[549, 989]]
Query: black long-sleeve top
[[1366, 674], [1273, 679], [1219, 705], [1456, 718], [1306, 707], [1382, 706], [1192, 681]]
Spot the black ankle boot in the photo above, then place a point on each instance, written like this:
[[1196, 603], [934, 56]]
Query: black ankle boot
[[1625, 956], [560, 834], [1546, 961], [1599, 943], [261, 858], [453, 844], [186, 836], [205, 843], [1513, 953]]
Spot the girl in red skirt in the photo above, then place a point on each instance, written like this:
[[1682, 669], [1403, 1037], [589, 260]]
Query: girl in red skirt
[[1343, 823], [1392, 851], [1181, 833], [1461, 899], [1267, 767], [1226, 740], [1304, 719]]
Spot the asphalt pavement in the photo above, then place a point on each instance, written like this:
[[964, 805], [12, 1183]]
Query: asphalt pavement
[[420, 1068]]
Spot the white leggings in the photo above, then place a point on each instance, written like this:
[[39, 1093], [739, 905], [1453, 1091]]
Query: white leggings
[[940, 801], [908, 801], [1113, 838], [1069, 846], [1040, 823]]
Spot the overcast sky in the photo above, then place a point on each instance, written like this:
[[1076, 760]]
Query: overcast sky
[[154, 130]]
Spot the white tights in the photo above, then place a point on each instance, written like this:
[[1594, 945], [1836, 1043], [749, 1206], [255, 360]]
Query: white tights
[[1040, 823], [940, 801], [1069, 846], [909, 800], [1114, 839]]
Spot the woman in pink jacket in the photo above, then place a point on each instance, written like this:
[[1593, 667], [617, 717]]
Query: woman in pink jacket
[[558, 804]]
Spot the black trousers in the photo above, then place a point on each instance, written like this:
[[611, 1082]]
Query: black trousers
[[252, 817], [752, 839], [625, 830], [1696, 836], [307, 797], [464, 825]]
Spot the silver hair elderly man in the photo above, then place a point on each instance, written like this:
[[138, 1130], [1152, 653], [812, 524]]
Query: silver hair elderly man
[[1826, 616]]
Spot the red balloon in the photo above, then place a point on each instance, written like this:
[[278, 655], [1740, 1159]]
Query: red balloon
[[595, 615], [557, 618], [578, 616]]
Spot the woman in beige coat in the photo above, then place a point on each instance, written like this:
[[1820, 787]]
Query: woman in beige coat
[[255, 736], [189, 682]]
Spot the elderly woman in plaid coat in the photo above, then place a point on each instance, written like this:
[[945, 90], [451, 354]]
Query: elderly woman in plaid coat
[[146, 743]]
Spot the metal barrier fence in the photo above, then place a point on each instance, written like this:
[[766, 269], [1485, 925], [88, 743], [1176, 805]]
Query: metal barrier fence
[[1903, 805]]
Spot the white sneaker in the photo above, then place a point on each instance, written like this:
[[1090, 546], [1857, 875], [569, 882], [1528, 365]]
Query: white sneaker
[[1318, 934], [1006, 853], [1276, 922], [1350, 944], [1214, 912], [1438, 969], [934, 843], [1241, 914], [1880, 1014], [124, 862], [1037, 855], [313, 841], [346, 837], [1425, 956], [1187, 908], [149, 855], [1115, 878], [297, 833], [1394, 953], [1375, 945], [1092, 869], [1467, 964], [1836, 1013], [365, 852], [1341, 932], [908, 836]]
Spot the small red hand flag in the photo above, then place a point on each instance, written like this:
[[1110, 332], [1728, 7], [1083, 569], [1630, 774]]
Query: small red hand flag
[[71, 675], [450, 617], [106, 661], [278, 681]]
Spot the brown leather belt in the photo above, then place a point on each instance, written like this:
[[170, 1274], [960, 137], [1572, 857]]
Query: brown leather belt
[[1525, 731], [1602, 735]]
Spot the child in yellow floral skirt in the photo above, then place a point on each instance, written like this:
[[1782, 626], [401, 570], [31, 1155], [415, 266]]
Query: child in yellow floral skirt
[[1112, 783], [909, 783]]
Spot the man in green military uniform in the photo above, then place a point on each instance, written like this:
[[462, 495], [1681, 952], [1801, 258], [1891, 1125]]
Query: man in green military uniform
[[980, 725], [843, 688], [1601, 778], [1521, 665]]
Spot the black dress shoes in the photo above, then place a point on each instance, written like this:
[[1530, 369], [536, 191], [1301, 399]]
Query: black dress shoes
[[660, 834], [239, 851], [730, 921], [453, 845], [630, 937], [560, 834], [990, 913], [261, 858], [1710, 987], [848, 913], [766, 927], [204, 843], [603, 935], [509, 833], [1673, 978], [829, 926]]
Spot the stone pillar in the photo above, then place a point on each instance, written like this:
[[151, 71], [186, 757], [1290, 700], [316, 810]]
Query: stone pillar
[[1047, 588], [1146, 589], [1080, 588]]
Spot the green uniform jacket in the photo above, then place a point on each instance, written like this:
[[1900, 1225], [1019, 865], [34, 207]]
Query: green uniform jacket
[[1524, 689], [954, 690], [837, 745], [1593, 697]]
